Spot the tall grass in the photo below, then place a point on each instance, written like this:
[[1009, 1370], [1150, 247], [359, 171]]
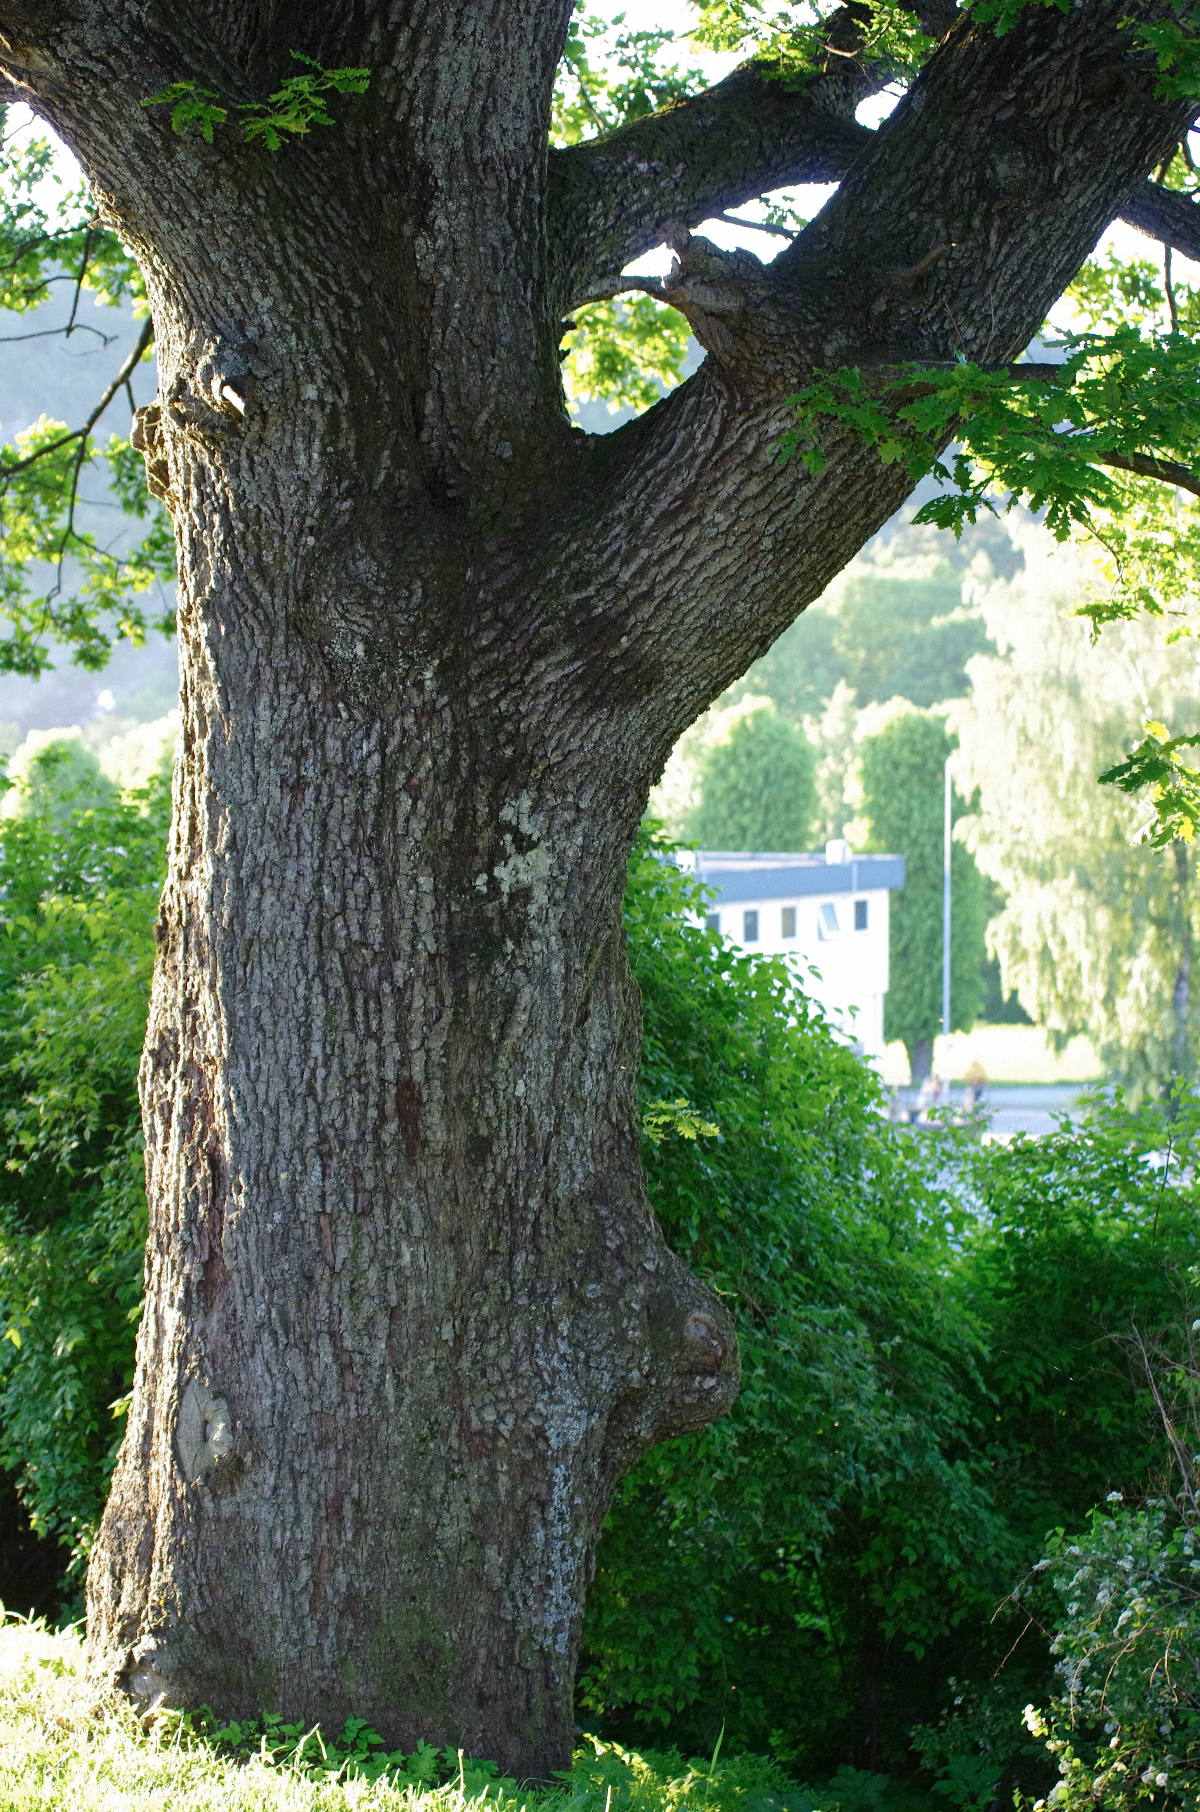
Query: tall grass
[[65, 1746]]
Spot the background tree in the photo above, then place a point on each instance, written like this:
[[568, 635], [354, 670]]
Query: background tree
[[903, 801], [758, 789], [434, 650], [1096, 933], [883, 635]]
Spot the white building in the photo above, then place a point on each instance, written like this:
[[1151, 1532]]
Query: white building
[[830, 911]]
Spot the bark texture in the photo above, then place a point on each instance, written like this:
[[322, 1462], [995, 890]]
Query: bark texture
[[409, 1315]]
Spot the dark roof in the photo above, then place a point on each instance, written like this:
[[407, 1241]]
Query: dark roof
[[736, 876]]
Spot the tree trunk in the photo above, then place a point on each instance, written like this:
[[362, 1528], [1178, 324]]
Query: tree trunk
[[408, 1314]]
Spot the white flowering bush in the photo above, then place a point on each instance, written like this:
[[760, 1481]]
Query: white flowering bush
[[1125, 1727]]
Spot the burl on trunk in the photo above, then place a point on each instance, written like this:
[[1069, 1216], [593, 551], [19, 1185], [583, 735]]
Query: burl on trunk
[[408, 1313]]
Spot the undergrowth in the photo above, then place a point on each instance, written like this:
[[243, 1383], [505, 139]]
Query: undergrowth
[[64, 1745]]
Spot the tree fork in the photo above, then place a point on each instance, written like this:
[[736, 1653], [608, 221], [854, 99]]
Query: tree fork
[[408, 1314]]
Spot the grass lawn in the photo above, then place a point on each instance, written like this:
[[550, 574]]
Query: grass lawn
[[62, 1747], [1008, 1054]]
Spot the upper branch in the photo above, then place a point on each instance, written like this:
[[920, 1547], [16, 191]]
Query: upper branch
[[1166, 215], [610, 197], [955, 230]]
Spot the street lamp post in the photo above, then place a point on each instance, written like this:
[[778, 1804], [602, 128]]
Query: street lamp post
[[946, 930]]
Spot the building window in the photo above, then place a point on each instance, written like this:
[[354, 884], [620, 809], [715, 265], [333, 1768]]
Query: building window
[[827, 922], [713, 921], [860, 915], [787, 922], [749, 927]]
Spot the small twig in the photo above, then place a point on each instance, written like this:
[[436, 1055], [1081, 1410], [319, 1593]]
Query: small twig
[[908, 277], [1029, 1624], [758, 226], [120, 382], [957, 329], [1111, 551], [1160, 179], [1170, 288], [52, 333], [1177, 1446], [80, 275]]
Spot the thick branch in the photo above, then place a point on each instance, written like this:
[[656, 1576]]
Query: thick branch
[[950, 237], [610, 197], [1166, 215], [1169, 471]]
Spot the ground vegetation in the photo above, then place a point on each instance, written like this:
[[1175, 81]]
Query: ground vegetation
[[931, 1331]]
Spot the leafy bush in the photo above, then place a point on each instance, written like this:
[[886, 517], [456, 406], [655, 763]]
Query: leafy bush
[[1124, 1603], [80, 873], [931, 1385], [931, 1382], [755, 1575]]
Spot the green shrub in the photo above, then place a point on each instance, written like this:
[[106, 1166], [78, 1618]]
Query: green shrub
[[931, 1382], [756, 1575], [930, 1386], [80, 874]]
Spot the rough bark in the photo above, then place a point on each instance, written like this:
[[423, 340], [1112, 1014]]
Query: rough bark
[[1165, 215], [408, 1312], [609, 198]]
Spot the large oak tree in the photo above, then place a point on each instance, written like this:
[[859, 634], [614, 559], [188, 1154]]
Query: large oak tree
[[409, 1315]]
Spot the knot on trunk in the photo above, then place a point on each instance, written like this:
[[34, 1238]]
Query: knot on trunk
[[712, 289], [694, 1372]]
